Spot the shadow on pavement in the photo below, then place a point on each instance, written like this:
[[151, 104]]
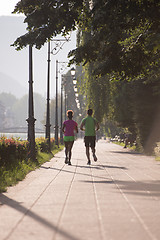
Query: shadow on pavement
[[69, 171], [146, 189], [125, 152], [4, 200], [108, 182], [90, 166], [116, 167]]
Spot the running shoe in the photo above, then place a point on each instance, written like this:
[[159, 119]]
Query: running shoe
[[95, 158], [66, 160]]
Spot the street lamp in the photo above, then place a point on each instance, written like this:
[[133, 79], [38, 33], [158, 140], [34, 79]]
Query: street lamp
[[48, 125], [76, 92], [73, 71], [31, 120], [74, 81], [56, 112], [66, 103], [63, 84], [75, 89], [58, 46], [63, 87], [61, 133]]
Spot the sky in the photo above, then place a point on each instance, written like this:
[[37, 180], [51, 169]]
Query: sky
[[7, 6], [15, 63]]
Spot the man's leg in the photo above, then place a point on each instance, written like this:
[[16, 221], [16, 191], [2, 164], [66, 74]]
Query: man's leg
[[94, 155], [86, 140], [93, 150], [87, 153], [93, 144]]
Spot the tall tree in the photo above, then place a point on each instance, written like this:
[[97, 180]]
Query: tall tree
[[118, 43]]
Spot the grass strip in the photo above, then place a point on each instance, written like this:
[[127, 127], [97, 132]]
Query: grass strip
[[123, 144], [11, 176]]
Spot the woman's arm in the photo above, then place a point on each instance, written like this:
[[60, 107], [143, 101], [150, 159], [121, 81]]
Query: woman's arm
[[76, 128], [63, 127]]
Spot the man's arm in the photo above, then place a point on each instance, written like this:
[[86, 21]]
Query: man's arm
[[81, 126], [97, 126]]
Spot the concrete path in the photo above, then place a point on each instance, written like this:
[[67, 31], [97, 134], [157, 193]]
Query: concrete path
[[117, 197]]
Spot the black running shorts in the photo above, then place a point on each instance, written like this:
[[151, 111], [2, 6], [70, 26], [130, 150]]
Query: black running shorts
[[90, 141]]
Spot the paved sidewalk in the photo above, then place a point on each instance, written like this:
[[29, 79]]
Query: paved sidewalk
[[116, 198]]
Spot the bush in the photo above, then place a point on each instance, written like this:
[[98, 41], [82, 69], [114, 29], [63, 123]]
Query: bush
[[15, 150], [12, 151], [42, 144], [14, 161]]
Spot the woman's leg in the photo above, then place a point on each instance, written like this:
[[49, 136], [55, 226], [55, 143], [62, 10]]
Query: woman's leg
[[70, 145], [66, 151]]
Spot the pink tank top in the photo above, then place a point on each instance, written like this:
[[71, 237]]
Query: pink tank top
[[70, 126]]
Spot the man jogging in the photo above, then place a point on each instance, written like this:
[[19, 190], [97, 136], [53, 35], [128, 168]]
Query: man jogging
[[90, 126]]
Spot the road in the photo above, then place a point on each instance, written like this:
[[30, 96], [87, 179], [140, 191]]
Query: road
[[115, 198]]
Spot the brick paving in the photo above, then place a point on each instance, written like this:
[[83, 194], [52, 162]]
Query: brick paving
[[116, 198]]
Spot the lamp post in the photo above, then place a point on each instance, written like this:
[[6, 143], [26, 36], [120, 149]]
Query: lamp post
[[76, 93], [48, 125], [73, 71], [31, 120], [61, 133], [66, 105], [56, 111], [58, 46], [65, 95]]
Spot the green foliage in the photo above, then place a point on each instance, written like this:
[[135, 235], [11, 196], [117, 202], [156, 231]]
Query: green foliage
[[46, 19], [12, 151], [14, 163], [123, 37], [125, 105], [122, 84], [118, 44], [42, 144], [122, 100], [120, 36], [146, 115]]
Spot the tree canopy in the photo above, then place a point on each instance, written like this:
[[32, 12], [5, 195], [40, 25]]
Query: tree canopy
[[124, 35], [118, 45], [46, 19]]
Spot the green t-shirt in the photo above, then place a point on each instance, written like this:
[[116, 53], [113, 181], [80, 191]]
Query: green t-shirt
[[89, 123]]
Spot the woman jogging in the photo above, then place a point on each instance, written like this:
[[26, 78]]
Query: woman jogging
[[69, 128]]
